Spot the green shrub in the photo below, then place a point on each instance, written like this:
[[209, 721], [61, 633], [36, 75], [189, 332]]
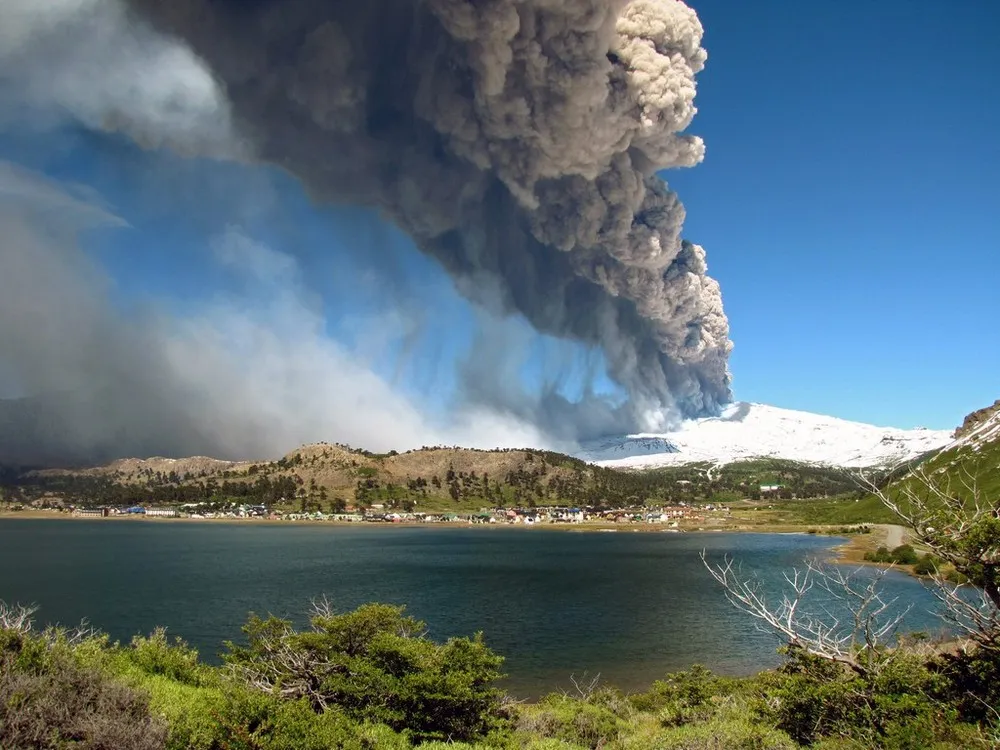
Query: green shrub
[[956, 577], [376, 666], [894, 708], [550, 743], [732, 734], [971, 683], [880, 555], [155, 655], [904, 554], [926, 565], [571, 720], [681, 690]]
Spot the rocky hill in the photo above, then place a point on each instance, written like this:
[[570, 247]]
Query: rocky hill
[[973, 423], [975, 453], [969, 462], [324, 475]]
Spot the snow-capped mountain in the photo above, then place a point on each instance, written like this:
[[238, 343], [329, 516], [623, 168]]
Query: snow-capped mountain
[[748, 430]]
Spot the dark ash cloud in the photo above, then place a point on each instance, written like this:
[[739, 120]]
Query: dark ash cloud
[[517, 142]]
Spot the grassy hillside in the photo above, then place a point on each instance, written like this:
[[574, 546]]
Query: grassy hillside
[[976, 453]]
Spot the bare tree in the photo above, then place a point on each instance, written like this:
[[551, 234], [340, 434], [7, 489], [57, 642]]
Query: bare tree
[[17, 618], [949, 514], [20, 619], [848, 622], [952, 516]]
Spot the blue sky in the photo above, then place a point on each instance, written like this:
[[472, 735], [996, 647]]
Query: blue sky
[[847, 204]]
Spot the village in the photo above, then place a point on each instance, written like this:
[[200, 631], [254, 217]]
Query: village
[[670, 517]]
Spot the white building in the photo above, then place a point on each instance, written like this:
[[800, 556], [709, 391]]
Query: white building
[[161, 512]]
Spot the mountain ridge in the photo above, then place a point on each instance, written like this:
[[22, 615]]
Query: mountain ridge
[[747, 430], [972, 460]]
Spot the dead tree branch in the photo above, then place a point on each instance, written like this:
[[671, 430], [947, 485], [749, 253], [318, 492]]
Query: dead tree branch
[[958, 522], [855, 631]]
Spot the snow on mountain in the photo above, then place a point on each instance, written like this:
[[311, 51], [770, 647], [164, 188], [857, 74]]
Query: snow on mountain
[[630, 446], [748, 430]]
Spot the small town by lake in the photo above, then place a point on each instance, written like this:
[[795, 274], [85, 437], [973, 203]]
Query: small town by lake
[[629, 607]]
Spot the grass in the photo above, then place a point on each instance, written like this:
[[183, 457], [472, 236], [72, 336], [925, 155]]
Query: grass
[[841, 511]]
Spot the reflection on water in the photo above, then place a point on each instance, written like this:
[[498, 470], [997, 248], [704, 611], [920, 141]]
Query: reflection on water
[[629, 606]]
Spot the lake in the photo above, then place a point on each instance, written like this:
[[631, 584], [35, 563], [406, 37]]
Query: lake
[[628, 606]]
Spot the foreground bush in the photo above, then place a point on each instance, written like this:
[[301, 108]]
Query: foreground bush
[[50, 700], [370, 680], [376, 666]]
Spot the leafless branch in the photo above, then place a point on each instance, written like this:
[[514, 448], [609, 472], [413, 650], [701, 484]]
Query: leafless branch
[[969, 611], [585, 687], [16, 617], [955, 519], [855, 633]]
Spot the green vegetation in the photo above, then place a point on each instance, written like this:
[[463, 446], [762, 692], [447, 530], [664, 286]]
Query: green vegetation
[[369, 680], [926, 564], [837, 511], [904, 554]]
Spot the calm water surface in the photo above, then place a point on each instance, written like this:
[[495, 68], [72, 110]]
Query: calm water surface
[[629, 606]]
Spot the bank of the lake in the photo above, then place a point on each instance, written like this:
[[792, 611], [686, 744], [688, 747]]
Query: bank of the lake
[[628, 606]]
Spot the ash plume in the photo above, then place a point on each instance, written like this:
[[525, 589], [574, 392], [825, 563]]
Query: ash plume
[[516, 141]]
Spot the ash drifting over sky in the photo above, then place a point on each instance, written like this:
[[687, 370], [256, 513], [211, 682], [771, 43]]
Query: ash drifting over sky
[[516, 142]]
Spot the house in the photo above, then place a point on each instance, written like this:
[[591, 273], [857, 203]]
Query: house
[[571, 515], [161, 512], [91, 512]]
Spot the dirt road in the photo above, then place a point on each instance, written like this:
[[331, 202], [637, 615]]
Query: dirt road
[[894, 535]]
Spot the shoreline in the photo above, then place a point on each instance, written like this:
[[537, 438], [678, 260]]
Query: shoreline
[[581, 527], [852, 552]]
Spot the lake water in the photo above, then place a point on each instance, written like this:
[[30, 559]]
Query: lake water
[[628, 606]]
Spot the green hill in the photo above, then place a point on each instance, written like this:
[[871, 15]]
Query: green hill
[[433, 479]]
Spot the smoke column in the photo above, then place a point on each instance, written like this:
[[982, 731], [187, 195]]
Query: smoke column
[[516, 141]]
